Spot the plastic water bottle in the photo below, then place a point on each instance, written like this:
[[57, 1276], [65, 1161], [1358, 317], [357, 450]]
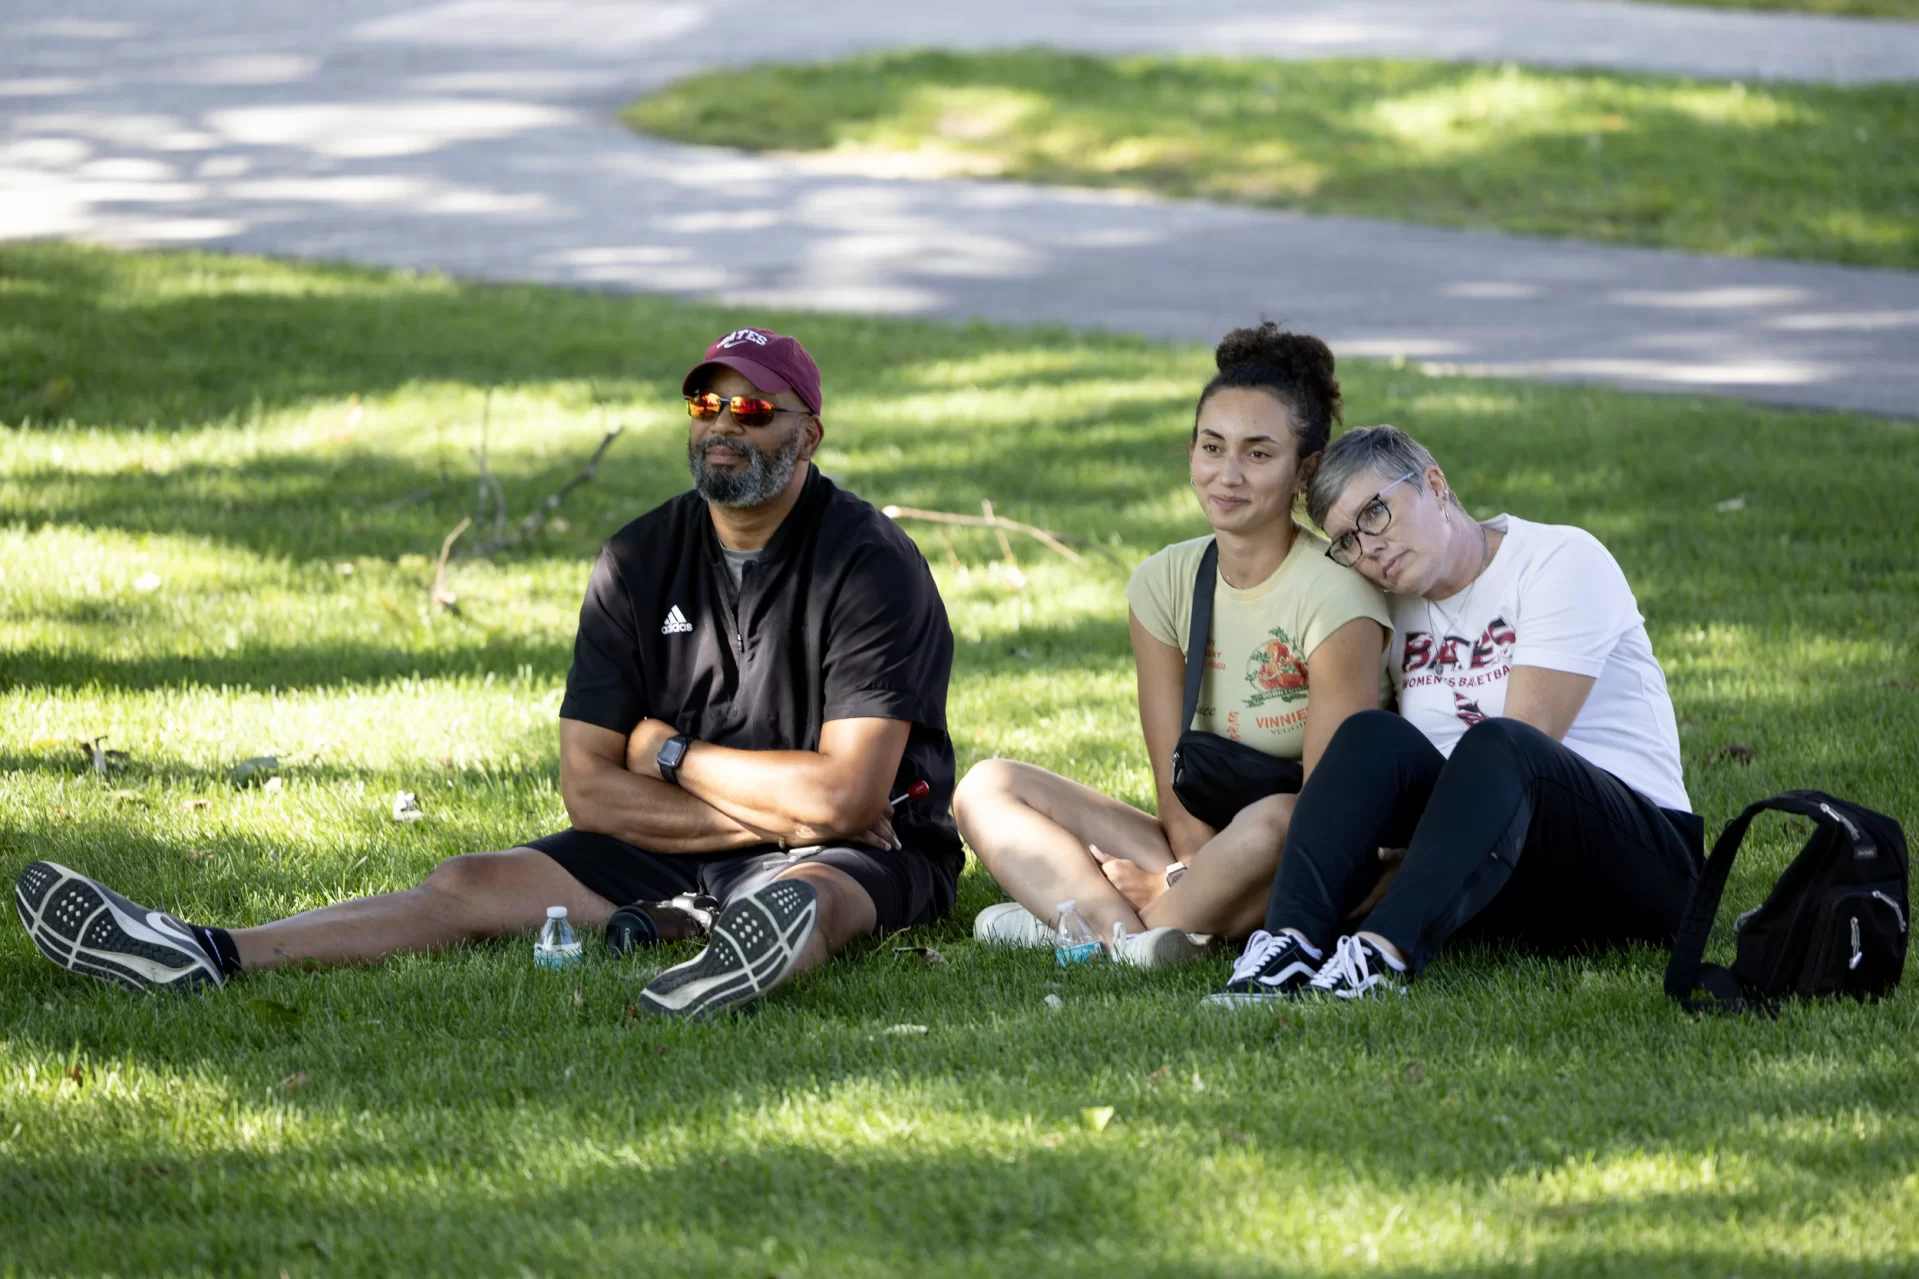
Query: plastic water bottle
[[1076, 943], [557, 946]]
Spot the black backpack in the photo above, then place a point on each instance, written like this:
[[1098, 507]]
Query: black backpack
[[1834, 924]]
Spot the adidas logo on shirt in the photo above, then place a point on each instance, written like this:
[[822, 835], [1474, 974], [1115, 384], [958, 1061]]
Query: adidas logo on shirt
[[676, 623]]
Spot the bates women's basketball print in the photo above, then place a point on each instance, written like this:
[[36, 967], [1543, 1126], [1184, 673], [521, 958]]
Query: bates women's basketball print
[[1275, 671]]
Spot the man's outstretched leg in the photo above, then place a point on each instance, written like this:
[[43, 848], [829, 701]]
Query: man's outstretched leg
[[798, 921], [86, 927]]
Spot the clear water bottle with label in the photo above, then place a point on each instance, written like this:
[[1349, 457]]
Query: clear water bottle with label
[[557, 946], [1076, 943]]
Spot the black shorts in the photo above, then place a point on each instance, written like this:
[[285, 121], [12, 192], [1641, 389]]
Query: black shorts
[[907, 887]]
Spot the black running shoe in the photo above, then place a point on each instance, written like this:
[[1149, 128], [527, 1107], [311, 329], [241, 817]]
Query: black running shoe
[[88, 928], [753, 946], [638, 924], [1273, 966]]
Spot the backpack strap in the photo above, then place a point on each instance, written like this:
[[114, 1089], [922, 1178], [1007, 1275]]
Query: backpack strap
[[1685, 971], [1199, 631]]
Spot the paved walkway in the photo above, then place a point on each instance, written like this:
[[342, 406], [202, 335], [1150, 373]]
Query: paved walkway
[[477, 137]]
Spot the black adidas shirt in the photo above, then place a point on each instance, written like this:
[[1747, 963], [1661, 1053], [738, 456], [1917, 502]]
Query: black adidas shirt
[[838, 618]]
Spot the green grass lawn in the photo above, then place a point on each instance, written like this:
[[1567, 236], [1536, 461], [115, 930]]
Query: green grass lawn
[[1780, 170], [231, 435]]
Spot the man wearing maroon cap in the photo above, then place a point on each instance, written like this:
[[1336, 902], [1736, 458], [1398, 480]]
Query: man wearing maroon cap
[[753, 742]]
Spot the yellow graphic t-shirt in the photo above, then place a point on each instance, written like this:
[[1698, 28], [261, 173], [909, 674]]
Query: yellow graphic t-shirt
[[1256, 685]]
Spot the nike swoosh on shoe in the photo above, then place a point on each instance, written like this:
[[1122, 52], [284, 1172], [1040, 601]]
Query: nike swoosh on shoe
[[87, 928]]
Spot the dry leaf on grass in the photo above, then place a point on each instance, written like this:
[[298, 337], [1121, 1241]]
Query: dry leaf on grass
[[127, 797], [406, 807], [932, 958], [200, 854], [188, 805], [295, 1081], [1160, 1076], [630, 1016], [1739, 754], [1415, 1071]]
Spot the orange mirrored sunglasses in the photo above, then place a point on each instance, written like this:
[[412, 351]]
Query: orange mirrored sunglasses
[[747, 411]]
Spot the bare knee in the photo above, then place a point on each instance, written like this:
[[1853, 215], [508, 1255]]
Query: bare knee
[[482, 888], [1265, 821], [463, 878], [989, 787]]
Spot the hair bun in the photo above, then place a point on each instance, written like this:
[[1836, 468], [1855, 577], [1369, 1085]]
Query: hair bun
[[1303, 358]]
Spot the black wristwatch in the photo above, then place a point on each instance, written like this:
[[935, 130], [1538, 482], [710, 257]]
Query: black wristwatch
[[671, 755]]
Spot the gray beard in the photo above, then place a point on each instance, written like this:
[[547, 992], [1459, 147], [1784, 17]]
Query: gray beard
[[764, 477]]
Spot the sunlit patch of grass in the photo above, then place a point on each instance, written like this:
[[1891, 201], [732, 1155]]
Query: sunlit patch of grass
[[467, 1112], [1779, 170]]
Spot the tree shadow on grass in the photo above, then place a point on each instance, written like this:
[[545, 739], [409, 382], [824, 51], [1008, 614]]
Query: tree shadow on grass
[[648, 1118], [125, 341], [1446, 143], [292, 667]]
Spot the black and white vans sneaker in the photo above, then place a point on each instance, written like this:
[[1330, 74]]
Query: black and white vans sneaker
[[1273, 966], [752, 948], [1357, 970], [88, 928]]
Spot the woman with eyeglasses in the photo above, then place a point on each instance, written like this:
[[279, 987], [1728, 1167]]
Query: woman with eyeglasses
[[1532, 775], [1285, 645]]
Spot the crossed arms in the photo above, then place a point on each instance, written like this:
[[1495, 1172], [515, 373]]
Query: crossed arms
[[729, 799]]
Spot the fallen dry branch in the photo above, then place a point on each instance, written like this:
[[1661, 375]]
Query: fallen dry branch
[[988, 520], [441, 597], [505, 535]]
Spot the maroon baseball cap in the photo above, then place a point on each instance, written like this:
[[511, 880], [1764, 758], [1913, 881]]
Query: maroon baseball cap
[[771, 361]]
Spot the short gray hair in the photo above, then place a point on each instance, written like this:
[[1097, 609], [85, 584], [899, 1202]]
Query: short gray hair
[[1386, 450]]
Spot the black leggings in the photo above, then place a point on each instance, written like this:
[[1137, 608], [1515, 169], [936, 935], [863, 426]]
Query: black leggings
[[1514, 833]]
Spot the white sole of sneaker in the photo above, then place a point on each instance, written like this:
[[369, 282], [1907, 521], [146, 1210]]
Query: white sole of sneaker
[[1159, 948], [87, 928], [754, 946], [1011, 924]]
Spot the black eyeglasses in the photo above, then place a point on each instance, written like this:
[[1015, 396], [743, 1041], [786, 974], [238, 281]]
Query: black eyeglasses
[[1373, 519]]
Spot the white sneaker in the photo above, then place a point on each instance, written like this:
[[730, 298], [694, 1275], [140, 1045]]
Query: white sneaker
[[1011, 924], [1160, 947]]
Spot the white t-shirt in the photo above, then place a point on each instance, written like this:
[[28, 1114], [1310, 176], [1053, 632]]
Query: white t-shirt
[[1552, 597]]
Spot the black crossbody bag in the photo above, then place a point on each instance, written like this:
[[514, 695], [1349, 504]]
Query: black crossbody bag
[[1834, 924], [1215, 776]]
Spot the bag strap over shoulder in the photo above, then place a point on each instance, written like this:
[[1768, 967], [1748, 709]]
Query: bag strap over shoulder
[[1199, 631], [1684, 971]]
